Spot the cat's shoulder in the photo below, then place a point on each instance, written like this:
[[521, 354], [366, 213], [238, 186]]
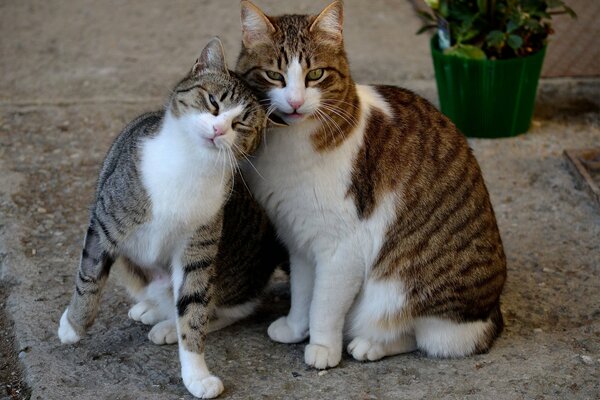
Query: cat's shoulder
[[123, 150], [400, 98], [144, 125], [409, 111]]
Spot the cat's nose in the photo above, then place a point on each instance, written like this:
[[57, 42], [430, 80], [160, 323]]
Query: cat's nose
[[296, 103], [218, 130]]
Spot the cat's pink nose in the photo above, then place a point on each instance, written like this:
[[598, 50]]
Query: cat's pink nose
[[296, 103], [218, 129]]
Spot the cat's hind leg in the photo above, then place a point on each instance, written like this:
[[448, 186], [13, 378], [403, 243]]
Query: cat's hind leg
[[377, 324], [225, 316], [93, 271], [440, 337], [363, 349], [155, 303], [165, 332]]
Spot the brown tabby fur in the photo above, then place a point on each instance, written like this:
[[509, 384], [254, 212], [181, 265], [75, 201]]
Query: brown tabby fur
[[443, 243]]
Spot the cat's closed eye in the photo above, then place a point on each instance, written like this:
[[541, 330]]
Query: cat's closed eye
[[237, 124]]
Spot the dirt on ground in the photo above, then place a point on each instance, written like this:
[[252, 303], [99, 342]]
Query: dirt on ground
[[11, 373]]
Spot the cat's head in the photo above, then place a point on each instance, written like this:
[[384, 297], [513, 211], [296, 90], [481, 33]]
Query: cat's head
[[215, 108], [298, 62]]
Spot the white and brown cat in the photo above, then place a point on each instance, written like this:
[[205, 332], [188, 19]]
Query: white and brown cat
[[379, 199]]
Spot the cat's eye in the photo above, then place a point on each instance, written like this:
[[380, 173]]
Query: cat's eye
[[214, 103], [276, 76], [315, 74]]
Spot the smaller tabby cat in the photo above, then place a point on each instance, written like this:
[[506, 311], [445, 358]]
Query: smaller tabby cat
[[192, 246]]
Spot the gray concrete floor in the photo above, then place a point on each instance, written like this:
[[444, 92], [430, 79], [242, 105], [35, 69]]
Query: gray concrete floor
[[74, 72]]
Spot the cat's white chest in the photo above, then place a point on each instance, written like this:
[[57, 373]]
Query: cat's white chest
[[305, 192], [182, 196]]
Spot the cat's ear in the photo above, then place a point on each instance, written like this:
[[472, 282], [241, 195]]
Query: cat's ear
[[330, 22], [212, 58], [256, 27]]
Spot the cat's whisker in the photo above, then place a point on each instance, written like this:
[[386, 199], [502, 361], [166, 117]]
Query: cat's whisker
[[329, 129], [338, 128], [348, 118], [337, 101], [247, 159]]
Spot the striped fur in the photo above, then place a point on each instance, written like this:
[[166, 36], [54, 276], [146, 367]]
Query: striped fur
[[170, 206], [380, 201]]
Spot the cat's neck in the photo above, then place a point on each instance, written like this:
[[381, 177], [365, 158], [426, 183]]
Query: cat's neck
[[177, 149]]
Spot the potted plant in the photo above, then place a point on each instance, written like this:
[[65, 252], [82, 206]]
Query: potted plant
[[488, 56]]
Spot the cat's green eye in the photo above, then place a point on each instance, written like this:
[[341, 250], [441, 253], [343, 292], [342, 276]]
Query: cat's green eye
[[276, 76], [315, 74]]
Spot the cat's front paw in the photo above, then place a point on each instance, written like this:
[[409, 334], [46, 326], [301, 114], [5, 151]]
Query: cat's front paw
[[165, 332], [66, 332], [322, 357], [147, 313], [204, 388], [281, 331]]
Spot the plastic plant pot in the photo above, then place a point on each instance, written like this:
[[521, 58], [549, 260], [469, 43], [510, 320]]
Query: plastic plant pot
[[487, 98]]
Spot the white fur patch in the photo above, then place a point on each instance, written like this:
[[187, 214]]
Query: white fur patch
[[66, 333], [379, 301], [443, 338], [185, 182]]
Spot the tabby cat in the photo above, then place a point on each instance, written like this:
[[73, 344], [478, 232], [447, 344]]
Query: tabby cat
[[168, 210], [378, 198]]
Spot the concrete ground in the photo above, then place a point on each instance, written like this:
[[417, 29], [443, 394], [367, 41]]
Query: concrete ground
[[74, 72]]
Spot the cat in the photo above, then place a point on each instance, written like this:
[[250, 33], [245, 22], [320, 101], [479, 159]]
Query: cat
[[380, 201], [170, 208]]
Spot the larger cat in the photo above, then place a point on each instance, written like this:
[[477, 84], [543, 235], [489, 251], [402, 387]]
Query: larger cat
[[378, 198], [167, 208]]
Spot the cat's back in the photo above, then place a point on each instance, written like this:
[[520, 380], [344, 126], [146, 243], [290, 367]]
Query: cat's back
[[409, 146]]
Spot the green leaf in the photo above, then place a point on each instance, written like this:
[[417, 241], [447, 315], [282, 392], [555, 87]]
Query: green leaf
[[495, 38], [515, 42], [425, 28], [511, 26], [541, 14], [570, 11], [426, 15], [482, 5], [470, 34], [434, 4], [466, 51], [443, 8], [534, 26]]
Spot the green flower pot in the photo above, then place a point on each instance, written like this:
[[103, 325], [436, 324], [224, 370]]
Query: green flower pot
[[487, 98]]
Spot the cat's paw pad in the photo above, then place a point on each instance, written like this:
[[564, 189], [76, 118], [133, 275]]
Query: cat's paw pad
[[146, 313], [362, 350], [321, 357], [204, 388], [165, 332], [66, 332], [280, 331]]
